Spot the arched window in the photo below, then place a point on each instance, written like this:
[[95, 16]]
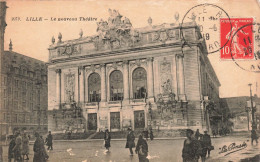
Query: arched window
[[139, 83], [94, 87], [116, 86]]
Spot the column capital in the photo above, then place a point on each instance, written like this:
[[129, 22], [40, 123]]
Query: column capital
[[58, 70], [81, 67], [180, 55], [125, 62], [102, 65]]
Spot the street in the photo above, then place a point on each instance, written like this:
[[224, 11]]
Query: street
[[168, 150]]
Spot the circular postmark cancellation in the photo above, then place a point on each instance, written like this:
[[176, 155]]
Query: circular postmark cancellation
[[207, 18], [243, 44]]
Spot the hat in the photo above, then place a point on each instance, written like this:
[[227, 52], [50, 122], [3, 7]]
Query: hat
[[129, 128]]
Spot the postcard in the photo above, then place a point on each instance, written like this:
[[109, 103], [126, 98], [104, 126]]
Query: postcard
[[119, 81]]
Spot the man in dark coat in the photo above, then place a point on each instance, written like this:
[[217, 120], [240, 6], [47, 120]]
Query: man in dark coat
[[11, 147], [203, 151], [107, 139], [207, 142], [39, 150], [254, 136], [130, 141], [18, 147], [142, 149], [145, 132], [197, 134], [49, 141], [151, 134], [191, 148]]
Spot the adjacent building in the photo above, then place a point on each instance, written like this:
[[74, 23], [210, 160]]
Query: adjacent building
[[23, 89], [241, 113], [158, 76]]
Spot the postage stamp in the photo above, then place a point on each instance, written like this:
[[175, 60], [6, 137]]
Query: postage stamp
[[241, 44]]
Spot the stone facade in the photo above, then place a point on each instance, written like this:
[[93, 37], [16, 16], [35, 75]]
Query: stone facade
[[132, 77], [23, 90]]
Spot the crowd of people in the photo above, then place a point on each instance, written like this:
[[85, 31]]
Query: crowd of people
[[19, 147], [196, 146], [141, 148]]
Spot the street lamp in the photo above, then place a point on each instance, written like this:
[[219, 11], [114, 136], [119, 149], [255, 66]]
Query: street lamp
[[252, 108]]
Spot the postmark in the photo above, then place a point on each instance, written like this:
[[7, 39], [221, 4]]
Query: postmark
[[242, 44], [250, 65], [207, 18]]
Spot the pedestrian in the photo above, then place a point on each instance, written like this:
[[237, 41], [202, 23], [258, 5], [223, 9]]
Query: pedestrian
[[197, 134], [49, 141], [38, 148], [145, 133], [25, 146], [11, 147], [151, 134], [107, 139], [254, 136], [130, 141], [69, 135], [214, 133], [142, 149], [203, 149], [18, 147], [191, 147], [207, 142]]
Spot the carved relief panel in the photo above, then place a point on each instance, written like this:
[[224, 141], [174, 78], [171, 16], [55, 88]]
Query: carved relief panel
[[165, 76], [69, 87]]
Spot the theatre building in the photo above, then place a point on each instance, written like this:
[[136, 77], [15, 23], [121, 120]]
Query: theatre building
[[157, 76]]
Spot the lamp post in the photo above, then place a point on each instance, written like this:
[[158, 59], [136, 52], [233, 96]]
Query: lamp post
[[247, 112], [252, 108]]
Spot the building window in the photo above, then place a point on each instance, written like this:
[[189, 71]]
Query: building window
[[94, 87], [4, 119], [116, 86], [16, 94], [5, 81], [5, 92], [15, 118], [15, 105], [7, 117], [139, 83], [5, 104], [16, 84]]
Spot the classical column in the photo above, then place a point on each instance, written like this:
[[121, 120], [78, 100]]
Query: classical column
[[81, 85], [103, 83], [58, 87], [126, 80], [150, 80], [181, 81]]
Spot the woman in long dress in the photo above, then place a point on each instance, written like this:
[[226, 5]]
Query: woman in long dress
[[107, 139], [25, 146]]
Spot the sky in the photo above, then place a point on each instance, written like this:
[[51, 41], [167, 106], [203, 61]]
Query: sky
[[32, 38]]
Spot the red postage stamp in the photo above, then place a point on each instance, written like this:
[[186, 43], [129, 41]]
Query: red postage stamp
[[237, 41]]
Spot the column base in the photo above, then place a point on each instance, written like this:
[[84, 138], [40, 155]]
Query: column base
[[182, 97]]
